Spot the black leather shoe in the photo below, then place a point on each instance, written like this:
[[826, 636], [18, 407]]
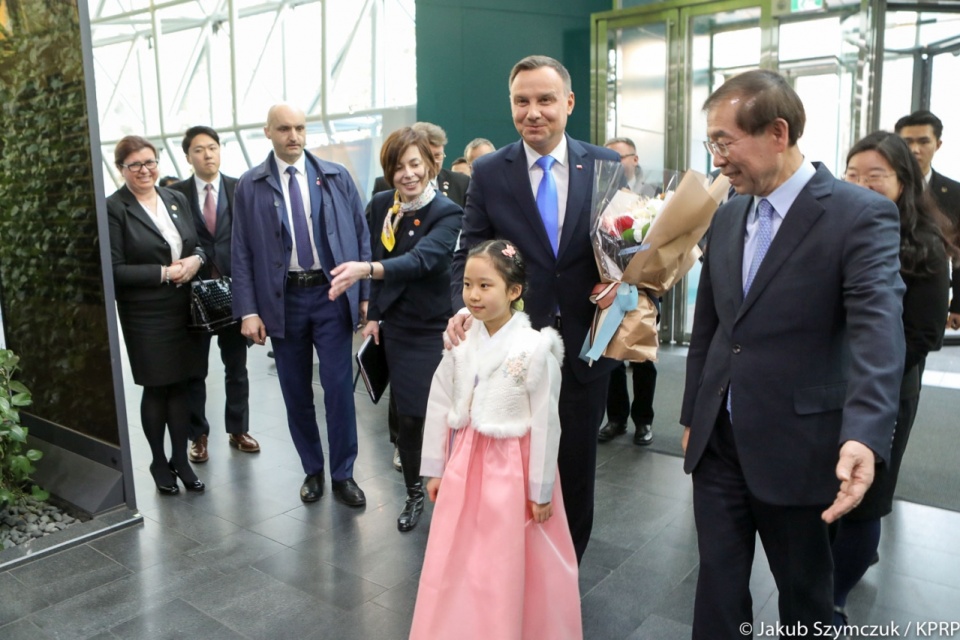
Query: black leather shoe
[[643, 435], [610, 431], [410, 515], [347, 492], [312, 488], [190, 485]]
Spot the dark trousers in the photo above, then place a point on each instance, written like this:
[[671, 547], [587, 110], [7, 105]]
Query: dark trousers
[[644, 386], [233, 354], [728, 519], [581, 411], [313, 322]]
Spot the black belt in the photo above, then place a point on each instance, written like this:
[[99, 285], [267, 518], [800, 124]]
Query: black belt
[[303, 279]]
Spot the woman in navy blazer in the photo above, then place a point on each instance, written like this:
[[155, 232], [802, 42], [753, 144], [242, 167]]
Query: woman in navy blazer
[[153, 245], [414, 231]]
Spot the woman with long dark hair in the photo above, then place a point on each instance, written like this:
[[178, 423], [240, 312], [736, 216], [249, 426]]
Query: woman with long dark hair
[[883, 162]]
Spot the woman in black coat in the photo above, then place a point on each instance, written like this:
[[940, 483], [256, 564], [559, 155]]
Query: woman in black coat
[[883, 162], [153, 245], [414, 232]]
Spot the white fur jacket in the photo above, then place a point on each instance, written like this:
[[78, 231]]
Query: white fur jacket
[[503, 386]]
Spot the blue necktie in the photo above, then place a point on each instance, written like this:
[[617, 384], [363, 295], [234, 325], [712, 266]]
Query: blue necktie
[[299, 214], [764, 237], [547, 201]]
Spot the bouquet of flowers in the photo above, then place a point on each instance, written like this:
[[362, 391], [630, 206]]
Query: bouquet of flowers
[[643, 246]]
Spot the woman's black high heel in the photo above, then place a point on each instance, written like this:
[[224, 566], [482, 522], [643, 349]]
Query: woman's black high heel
[[165, 486], [195, 485]]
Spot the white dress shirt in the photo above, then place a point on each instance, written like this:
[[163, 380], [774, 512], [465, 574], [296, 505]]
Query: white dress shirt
[[202, 191], [561, 175], [300, 166]]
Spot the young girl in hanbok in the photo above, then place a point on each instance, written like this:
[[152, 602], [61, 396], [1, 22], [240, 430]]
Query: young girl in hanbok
[[500, 562]]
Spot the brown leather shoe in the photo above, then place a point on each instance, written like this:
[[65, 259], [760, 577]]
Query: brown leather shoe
[[198, 450], [244, 442]]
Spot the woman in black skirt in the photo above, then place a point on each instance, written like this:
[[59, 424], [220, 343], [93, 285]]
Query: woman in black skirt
[[153, 244], [883, 162], [414, 231]]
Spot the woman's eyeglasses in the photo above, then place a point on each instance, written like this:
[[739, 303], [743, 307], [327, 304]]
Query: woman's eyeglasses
[[135, 167], [874, 178]]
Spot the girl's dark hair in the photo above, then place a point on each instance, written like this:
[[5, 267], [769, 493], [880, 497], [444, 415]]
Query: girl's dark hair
[[508, 262], [922, 224]]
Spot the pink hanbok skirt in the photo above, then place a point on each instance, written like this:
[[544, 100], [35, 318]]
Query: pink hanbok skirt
[[491, 572]]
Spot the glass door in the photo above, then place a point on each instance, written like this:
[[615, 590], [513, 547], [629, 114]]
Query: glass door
[[656, 65]]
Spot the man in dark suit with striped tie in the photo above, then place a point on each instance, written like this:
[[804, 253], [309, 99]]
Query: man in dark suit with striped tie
[[210, 195]]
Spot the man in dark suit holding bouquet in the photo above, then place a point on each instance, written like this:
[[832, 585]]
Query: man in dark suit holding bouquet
[[536, 192]]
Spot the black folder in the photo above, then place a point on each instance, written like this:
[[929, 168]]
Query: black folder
[[372, 364]]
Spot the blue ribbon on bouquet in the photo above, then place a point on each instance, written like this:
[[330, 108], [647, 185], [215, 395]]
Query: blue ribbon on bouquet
[[626, 300]]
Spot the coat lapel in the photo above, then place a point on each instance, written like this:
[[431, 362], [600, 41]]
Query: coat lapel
[[803, 214], [580, 167], [273, 179], [181, 219], [136, 211]]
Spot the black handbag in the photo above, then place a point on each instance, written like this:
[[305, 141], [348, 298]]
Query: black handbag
[[211, 305]]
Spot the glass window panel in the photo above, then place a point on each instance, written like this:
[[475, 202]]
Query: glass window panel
[[260, 78], [820, 95], [351, 60], [398, 55], [810, 39], [897, 83], [641, 91], [944, 98], [740, 48], [303, 73]]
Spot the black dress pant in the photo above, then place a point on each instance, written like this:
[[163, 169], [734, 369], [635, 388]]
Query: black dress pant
[[581, 411], [728, 519], [644, 387], [233, 354]]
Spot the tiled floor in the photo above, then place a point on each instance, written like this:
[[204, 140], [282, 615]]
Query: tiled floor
[[247, 559]]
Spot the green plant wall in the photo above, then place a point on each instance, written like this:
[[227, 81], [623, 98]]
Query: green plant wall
[[51, 284]]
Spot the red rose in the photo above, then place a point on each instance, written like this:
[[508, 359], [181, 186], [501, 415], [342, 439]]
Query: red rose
[[623, 223]]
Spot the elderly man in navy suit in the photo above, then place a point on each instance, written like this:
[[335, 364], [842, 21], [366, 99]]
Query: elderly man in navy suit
[[795, 361], [536, 193], [295, 218]]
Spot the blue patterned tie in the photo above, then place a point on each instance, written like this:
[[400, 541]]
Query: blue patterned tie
[[764, 236], [547, 201], [299, 214]]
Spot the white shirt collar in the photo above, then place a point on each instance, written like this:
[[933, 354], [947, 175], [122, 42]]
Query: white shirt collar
[[300, 164], [783, 196], [202, 184], [559, 153], [929, 175]]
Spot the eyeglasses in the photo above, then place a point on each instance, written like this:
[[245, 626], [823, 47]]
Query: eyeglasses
[[624, 156], [874, 178], [439, 156], [719, 148], [135, 167]]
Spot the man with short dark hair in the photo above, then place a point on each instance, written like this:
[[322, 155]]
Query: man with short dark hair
[[296, 218], [922, 131], [795, 360], [210, 195], [536, 192]]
